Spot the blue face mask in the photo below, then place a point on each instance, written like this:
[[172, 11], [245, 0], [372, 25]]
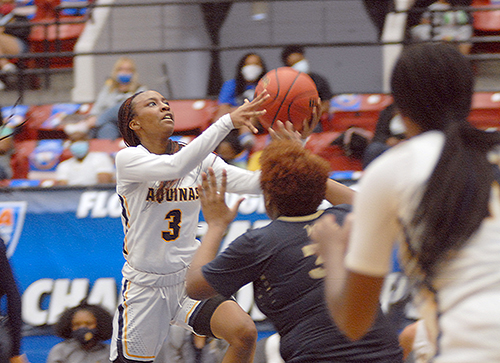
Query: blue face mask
[[79, 149], [124, 78]]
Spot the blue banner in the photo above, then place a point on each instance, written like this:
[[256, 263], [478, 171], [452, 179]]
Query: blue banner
[[65, 244]]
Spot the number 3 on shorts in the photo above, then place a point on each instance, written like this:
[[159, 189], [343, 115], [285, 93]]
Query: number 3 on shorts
[[174, 225]]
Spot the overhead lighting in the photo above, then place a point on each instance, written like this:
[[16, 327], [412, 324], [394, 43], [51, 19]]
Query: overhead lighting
[[260, 10]]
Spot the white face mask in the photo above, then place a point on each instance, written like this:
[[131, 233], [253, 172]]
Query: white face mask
[[251, 72], [302, 66]]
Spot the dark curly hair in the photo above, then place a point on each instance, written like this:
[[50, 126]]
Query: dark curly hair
[[104, 320], [293, 179]]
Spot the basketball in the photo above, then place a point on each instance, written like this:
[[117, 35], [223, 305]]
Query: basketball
[[293, 95]]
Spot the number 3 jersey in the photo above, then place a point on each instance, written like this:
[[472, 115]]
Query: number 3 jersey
[[160, 200]]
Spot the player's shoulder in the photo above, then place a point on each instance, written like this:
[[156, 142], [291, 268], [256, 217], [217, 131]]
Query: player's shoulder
[[255, 236], [129, 151]]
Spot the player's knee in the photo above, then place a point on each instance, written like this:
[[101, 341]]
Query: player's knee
[[246, 334]]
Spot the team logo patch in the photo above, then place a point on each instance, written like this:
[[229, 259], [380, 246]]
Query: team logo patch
[[11, 223]]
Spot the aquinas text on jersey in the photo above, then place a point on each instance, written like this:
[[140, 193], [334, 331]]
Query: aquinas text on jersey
[[172, 194]]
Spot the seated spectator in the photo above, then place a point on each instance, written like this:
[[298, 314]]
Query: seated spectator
[[183, 346], [231, 150], [84, 328], [442, 23], [13, 37], [84, 167], [250, 69], [389, 131], [294, 56], [6, 151], [8, 128], [122, 84]]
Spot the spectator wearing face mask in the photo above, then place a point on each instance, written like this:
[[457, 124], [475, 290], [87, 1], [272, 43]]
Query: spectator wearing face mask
[[294, 56], [122, 84], [250, 69], [84, 328], [84, 167]]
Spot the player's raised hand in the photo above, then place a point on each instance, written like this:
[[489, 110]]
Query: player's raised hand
[[212, 198], [284, 131], [244, 114], [310, 124]]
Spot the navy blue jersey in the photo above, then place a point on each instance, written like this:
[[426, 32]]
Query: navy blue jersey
[[288, 285]]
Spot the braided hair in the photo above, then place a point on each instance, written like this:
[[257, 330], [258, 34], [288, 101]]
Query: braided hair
[[125, 114], [432, 84]]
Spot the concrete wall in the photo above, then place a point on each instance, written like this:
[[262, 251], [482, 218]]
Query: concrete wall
[[180, 27]]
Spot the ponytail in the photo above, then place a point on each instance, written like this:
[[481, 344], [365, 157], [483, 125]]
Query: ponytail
[[456, 197]]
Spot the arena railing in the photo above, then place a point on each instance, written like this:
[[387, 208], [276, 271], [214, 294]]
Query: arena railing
[[44, 58]]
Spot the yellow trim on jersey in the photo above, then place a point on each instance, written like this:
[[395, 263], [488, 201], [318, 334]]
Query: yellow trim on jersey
[[127, 211], [188, 315], [309, 217], [125, 326]]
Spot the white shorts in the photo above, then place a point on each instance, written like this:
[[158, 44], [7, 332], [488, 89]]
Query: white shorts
[[142, 321]]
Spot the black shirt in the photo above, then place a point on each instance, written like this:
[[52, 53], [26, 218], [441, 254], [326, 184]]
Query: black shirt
[[289, 289]]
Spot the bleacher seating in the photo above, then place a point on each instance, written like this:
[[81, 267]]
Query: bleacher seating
[[193, 116], [486, 23], [55, 30], [355, 110]]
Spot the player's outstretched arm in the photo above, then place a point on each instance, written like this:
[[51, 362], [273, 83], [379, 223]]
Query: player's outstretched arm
[[218, 217], [352, 298], [244, 114], [337, 193]]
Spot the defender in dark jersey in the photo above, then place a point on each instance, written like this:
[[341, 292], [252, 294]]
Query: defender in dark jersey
[[279, 259]]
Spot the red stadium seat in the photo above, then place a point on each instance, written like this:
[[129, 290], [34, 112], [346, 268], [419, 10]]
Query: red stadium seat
[[488, 20], [320, 144], [486, 23], [47, 36], [192, 116], [361, 110], [485, 111], [36, 115]]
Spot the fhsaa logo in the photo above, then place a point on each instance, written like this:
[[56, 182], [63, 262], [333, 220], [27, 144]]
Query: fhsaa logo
[[11, 223]]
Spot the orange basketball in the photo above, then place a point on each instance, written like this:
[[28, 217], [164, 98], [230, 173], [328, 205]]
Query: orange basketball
[[293, 96]]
